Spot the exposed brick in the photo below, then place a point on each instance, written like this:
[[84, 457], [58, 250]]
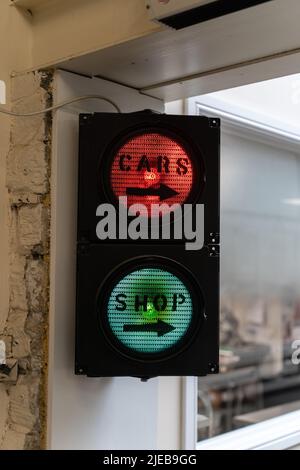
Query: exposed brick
[[20, 410], [16, 322], [35, 328], [13, 440], [29, 129], [10, 376], [18, 299], [30, 226], [21, 345], [25, 85], [4, 402], [13, 230], [8, 344], [27, 169], [23, 408], [36, 282], [18, 199]]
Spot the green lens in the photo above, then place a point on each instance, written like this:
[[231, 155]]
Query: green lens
[[149, 310]]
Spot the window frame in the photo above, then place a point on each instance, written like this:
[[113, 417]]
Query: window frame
[[285, 429]]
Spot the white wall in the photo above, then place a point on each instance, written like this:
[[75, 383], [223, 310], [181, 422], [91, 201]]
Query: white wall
[[94, 413]]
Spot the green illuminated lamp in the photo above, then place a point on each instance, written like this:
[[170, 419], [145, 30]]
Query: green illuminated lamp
[[149, 310]]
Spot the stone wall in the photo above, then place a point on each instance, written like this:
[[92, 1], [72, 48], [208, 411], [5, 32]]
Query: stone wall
[[24, 330]]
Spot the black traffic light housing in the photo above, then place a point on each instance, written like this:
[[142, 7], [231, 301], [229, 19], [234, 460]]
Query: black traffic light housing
[[103, 347]]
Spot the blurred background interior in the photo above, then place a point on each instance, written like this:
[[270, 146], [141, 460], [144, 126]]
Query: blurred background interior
[[260, 255]]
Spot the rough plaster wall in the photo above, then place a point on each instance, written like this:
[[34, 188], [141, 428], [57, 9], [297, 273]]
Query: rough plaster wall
[[23, 396]]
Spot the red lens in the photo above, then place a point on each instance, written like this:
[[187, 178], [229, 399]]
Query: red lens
[[152, 168]]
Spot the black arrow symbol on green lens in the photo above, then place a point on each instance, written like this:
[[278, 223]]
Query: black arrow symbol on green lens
[[163, 191], [160, 327]]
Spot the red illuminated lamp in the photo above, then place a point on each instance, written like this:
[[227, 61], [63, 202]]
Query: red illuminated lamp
[[152, 168]]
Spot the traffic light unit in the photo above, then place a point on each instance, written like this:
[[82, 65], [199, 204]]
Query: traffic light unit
[[147, 305]]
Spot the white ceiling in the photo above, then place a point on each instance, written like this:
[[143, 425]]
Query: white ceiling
[[173, 64]]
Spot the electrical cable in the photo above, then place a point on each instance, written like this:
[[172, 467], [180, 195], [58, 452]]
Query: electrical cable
[[61, 105]]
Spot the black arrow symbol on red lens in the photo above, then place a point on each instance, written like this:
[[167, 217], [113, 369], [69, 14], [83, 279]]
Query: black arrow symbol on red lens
[[163, 191], [160, 327]]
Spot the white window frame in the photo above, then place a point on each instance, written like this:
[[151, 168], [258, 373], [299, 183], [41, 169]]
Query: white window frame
[[278, 433]]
